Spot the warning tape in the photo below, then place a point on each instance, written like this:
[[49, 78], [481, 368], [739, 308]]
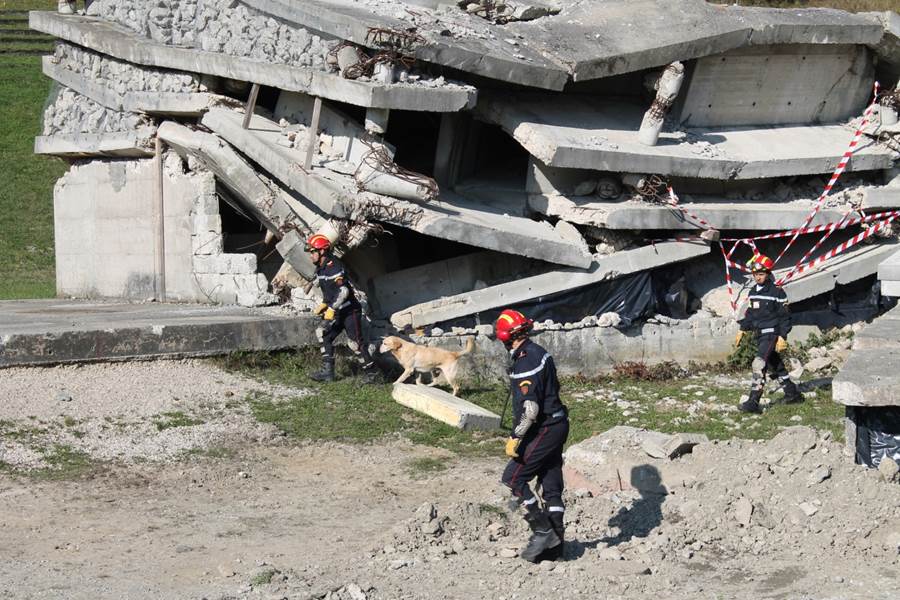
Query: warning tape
[[842, 165], [673, 202], [819, 228]]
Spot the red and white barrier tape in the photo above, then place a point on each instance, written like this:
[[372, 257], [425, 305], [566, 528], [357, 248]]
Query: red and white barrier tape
[[820, 228]]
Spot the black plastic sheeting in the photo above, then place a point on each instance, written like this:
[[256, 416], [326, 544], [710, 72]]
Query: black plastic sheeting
[[633, 297], [877, 434]]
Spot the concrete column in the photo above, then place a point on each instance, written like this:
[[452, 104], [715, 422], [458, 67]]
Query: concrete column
[[313, 141], [377, 120], [160, 225], [667, 90], [450, 147], [251, 105]]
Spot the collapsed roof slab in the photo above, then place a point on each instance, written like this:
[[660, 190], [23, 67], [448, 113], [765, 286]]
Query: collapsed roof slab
[[453, 217], [870, 376], [582, 133], [174, 103], [268, 205], [851, 266], [132, 144], [586, 40], [110, 39], [602, 269]]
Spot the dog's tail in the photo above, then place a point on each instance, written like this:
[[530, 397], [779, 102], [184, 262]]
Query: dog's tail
[[470, 345]]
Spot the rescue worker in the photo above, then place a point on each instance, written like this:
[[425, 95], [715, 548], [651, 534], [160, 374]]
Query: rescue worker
[[339, 309], [768, 316], [541, 426]]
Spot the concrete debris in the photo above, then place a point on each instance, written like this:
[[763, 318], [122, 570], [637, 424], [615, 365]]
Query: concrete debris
[[71, 113], [889, 470], [507, 11], [667, 87]]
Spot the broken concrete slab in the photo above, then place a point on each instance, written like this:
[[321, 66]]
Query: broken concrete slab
[[889, 268], [147, 102], [586, 40], [663, 445], [845, 268], [585, 133], [868, 378], [602, 269], [107, 38], [34, 332], [445, 407], [131, 144], [453, 217]]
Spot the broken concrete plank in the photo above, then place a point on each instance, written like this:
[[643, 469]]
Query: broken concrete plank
[[682, 443], [77, 331], [869, 377], [109, 39], [454, 217], [507, 294], [845, 268], [889, 268], [602, 135], [654, 443], [445, 407], [121, 144], [147, 102]]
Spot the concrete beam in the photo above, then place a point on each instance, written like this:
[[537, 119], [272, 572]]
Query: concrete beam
[[583, 133], [445, 407], [889, 269], [454, 218], [173, 103], [77, 331], [841, 270], [603, 269], [109, 39], [132, 144]]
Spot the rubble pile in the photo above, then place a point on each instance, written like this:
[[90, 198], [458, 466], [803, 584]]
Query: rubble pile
[[72, 113]]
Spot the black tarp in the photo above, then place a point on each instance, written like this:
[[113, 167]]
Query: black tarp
[[877, 434]]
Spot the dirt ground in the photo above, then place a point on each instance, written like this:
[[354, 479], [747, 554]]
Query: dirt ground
[[247, 513]]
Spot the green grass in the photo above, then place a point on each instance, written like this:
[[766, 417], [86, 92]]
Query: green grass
[[263, 577], [425, 466], [64, 463], [168, 420]]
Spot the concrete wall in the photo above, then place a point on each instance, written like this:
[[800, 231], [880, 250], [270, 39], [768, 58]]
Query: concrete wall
[[769, 85], [106, 215]]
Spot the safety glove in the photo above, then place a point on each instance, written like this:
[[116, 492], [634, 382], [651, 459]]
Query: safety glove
[[512, 447], [781, 344], [738, 337], [329, 314], [320, 309]]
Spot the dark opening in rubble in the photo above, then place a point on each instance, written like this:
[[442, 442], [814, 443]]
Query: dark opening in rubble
[[495, 157], [242, 233], [415, 136]]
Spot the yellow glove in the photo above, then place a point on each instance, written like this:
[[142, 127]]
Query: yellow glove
[[329, 314], [780, 344], [737, 338], [320, 309], [512, 447]]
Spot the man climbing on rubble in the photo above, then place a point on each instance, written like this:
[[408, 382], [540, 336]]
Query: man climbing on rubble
[[339, 309], [541, 426], [767, 315]]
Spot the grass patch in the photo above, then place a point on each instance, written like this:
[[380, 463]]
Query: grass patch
[[490, 509], [425, 466], [263, 577], [64, 463], [214, 452], [168, 420]]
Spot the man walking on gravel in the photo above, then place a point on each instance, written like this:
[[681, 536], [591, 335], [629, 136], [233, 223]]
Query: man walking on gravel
[[767, 315], [541, 427], [339, 309]]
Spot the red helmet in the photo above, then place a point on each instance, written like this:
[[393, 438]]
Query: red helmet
[[512, 324], [760, 262], [317, 241]]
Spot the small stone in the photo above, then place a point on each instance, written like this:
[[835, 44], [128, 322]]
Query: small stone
[[796, 418], [610, 554], [63, 396], [225, 571], [818, 476], [356, 592], [888, 470], [398, 564], [508, 553], [583, 493], [743, 510], [837, 579], [243, 474], [436, 331], [808, 509], [547, 565], [432, 527], [687, 553]]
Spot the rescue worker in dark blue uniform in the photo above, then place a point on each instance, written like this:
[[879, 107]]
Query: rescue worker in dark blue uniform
[[340, 311], [768, 316], [541, 427]]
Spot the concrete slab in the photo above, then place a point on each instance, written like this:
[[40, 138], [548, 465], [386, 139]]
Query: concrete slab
[[132, 144], [851, 266], [870, 376], [586, 40], [890, 288], [453, 216], [110, 39], [584, 133], [445, 407], [147, 102], [507, 294], [34, 332], [889, 269]]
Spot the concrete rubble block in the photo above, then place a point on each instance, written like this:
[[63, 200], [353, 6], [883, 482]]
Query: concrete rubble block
[[112, 40], [457, 218], [663, 445], [79, 330], [864, 381], [889, 268], [126, 144], [615, 460], [207, 222], [578, 133], [206, 243], [603, 269], [225, 263], [845, 268], [445, 407]]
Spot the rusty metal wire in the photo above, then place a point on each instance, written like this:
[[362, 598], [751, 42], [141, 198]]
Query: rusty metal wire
[[653, 189], [890, 98], [394, 48], [378, 159]]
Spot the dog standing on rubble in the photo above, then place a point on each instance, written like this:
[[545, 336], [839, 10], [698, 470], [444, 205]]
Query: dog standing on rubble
[[424, 359]]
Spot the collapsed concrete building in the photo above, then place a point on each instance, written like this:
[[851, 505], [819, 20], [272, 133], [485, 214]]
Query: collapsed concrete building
[[473, 155]]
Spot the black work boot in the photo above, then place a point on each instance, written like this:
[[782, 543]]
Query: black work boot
[[559, 527], [326, 373], [791, 394], [543, 537], [751, 405]]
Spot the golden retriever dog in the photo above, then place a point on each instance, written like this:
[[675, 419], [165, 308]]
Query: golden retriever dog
[[423, 359]]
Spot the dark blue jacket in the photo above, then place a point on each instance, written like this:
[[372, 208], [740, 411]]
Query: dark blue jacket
[[335, 285], [767, 311], [533, 377]]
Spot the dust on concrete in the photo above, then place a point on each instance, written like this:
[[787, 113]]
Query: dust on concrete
[[788, 518]]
